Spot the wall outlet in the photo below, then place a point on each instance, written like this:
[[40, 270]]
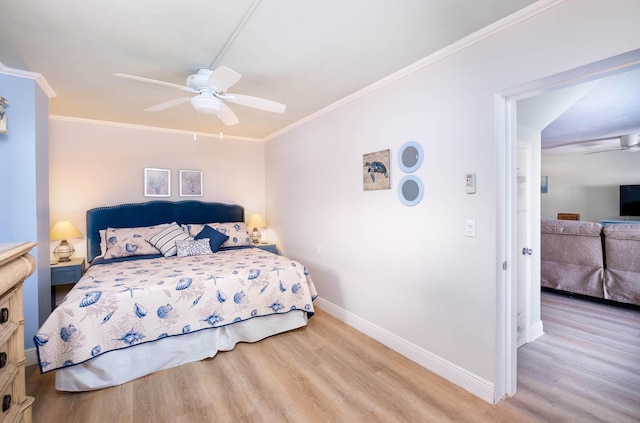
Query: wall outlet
[[470, 228]]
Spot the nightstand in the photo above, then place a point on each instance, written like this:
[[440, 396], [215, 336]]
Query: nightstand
[[65, 273], [267, 246]]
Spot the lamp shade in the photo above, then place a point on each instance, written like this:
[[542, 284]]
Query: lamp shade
[[256, 221], [63, 230]]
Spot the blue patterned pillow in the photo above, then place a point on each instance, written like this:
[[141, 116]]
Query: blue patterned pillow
[[236, 231], [127, 242], [193, 247], [165, 240], [216, 239]]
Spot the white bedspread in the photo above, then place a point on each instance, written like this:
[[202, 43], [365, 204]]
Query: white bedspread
[[121, 305]]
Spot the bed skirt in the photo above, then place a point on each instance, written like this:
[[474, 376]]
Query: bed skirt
[[121, 366]]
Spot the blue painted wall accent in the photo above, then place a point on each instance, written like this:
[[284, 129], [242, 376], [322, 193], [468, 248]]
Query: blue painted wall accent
[[24, 188]]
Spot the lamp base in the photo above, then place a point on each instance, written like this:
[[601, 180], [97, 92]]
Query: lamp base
[[255, 236], [64, 251]]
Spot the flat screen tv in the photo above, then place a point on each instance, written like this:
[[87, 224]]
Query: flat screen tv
[[629, 200]]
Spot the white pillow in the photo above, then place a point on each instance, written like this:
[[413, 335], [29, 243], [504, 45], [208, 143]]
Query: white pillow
[[193, 247], [165, 240]]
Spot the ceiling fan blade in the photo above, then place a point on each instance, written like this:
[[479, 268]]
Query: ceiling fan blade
[[256, 102], [167, 104], [153, 81], [222, 78], [604, 151], [226, 115]]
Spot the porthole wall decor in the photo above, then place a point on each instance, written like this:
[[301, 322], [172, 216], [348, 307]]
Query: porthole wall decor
[[410, 156], [410, 190]]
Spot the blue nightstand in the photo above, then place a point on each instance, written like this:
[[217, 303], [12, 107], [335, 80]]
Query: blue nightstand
[[267, 246], [65, 273]]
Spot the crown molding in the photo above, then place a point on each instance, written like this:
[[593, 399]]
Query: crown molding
[[40, 80], [470, 40]]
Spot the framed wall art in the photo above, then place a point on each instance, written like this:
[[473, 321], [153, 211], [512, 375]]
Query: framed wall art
[[3, 115], [191, 183], [157, 182], [375, 170]]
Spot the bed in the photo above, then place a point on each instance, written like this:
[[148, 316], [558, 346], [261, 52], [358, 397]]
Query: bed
[[168, 283]]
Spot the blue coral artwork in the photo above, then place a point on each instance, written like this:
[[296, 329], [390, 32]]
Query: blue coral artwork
[[375, 170]]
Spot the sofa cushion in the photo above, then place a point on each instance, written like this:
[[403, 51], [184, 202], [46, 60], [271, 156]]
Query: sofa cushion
[[623, 231], [571, 227]]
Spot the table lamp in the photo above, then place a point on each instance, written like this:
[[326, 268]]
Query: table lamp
[[61, 231], [256, 222]]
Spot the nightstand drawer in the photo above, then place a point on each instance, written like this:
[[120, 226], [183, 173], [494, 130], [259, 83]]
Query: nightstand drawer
[[64, 275]]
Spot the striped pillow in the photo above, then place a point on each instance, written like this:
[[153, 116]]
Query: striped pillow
[[165, 240]]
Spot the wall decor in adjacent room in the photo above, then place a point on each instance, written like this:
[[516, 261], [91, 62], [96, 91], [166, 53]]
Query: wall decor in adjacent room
[[544, 184], [157, 182], [375, 170], [191, 183]]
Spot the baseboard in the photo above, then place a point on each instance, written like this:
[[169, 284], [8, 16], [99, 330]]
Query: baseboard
[[473, 383], [31, 357], [535, 331]]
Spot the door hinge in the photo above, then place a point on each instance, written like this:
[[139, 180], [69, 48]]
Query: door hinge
[[504, 265]]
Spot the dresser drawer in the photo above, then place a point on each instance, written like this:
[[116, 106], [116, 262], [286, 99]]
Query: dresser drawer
[[9, 317], [10, 401]]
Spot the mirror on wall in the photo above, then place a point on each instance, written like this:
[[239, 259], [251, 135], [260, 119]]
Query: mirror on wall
[[410, 156], [410, 190]]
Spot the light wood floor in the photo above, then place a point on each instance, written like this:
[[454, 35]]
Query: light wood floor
[[586, 368]]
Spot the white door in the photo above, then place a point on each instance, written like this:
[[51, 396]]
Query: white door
[[524, 249]]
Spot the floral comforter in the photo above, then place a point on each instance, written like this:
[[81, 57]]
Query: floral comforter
[[120, 305]]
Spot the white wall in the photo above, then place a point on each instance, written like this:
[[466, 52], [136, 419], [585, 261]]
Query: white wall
[[410, 274], [588, 184], [94, 164]]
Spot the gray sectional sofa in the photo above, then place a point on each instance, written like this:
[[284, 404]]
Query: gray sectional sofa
[[589, 259]]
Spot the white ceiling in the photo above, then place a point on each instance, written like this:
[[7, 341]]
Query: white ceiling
[[304, 53]]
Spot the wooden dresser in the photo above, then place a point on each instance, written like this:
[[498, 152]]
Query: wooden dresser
[[15, 266]]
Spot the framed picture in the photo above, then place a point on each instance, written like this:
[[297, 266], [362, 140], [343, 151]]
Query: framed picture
[[191, 183], [3, 115], [375, 170], [157, 182], [544, 184]]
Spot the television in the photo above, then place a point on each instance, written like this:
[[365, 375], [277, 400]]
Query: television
[[629, 200]]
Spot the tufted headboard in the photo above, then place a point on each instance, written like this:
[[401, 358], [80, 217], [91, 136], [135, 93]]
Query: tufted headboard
[[153, 213]]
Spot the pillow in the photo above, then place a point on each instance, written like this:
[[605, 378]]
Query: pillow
[[165, 240], [216, 239], [236, 231], [126, 242], [193, 247]]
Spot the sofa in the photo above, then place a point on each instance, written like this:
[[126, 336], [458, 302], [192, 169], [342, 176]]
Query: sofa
[[589, 259], [622, 263]]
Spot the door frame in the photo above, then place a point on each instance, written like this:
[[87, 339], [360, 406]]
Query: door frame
[[506, 268]]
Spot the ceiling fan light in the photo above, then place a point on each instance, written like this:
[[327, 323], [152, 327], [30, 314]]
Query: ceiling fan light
[[208, 105]]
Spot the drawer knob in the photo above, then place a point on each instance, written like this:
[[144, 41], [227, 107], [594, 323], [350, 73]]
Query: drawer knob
[[6, 403], [4, 315], [3, 359]]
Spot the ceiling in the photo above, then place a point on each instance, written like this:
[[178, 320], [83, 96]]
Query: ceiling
[[305, 54]]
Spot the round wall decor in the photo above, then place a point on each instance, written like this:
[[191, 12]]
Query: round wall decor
[[410, 156], [410, 190]]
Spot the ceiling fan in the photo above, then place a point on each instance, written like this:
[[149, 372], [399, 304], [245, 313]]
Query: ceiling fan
[[211, 89], [629, 143]]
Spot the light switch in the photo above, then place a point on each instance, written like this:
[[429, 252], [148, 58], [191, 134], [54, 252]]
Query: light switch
[[470, 228]]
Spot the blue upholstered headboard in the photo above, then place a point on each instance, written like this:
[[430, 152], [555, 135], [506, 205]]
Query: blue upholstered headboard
[[153, 213]]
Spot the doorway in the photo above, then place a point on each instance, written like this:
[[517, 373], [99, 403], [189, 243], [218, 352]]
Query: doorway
[[507, 137]]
